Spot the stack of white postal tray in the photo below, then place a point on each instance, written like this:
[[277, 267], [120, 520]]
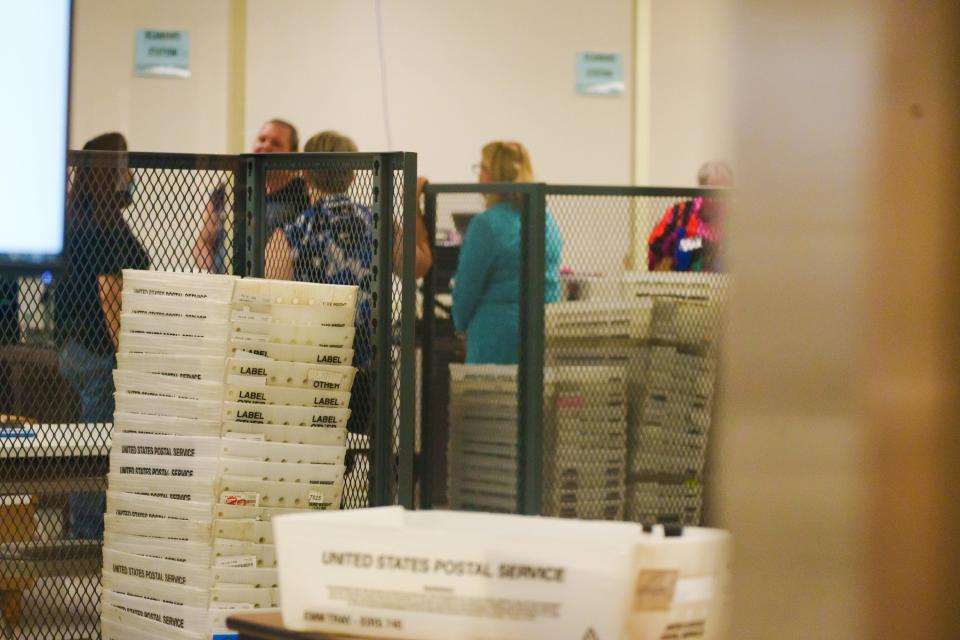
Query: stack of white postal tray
[[584, 440], [169, 382], [232, 404]]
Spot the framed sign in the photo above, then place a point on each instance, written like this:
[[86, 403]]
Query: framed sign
[[163, 53]]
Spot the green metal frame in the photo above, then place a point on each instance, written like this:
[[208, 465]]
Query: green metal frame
[[532, 294], [530, 369], [408, 319]]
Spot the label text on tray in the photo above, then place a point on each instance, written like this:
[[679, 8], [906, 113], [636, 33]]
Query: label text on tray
[[329, 360], [148, 574], [324, 402], [156, 471], [159, 451], [253, 371], [448, 567], [320, 384], [320, 420], [252, 396], [249, 416]]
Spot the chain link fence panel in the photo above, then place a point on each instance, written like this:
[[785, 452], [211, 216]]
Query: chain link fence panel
[[317, 217], [57, 350], [630, 353]]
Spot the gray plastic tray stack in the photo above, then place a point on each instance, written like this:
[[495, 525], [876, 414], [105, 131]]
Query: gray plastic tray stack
[[232, 404], [663, 329], [584, 440]]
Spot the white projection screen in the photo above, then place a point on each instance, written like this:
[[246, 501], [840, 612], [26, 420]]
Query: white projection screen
[[35, 62]]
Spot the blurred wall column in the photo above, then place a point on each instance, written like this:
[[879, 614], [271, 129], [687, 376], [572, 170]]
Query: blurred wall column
[[837, 454], [237, 84], [914, 362]]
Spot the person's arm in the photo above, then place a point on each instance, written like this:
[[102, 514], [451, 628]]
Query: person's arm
[[206, 246], [278, 259], [423, 259], [109, 287], [477, 256]]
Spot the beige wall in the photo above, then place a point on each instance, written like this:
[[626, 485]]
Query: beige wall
[[156, 114], [684, 88], [460, 74]]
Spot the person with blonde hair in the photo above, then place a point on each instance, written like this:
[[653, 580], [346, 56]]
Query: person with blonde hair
[[332, 242], [486, 291]]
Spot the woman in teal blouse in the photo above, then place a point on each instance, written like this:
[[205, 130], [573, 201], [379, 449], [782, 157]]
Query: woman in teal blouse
[[486, 291]]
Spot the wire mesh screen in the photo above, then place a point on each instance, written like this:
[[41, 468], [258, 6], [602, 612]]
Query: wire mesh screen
[[451, 218], [57, 352], [322, 224], [639, 323], [396, 327], [319, 227], [634, 291]]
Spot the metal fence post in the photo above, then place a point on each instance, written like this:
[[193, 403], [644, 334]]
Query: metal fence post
[[381, 446], [530, 372], [426, 358], [239, 244], [255, 228], [408, 319]]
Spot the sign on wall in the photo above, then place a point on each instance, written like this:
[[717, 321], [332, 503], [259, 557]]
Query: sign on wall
[[600, 74], [163, 53]]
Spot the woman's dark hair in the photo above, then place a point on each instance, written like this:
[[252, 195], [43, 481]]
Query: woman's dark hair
[[99, 192]]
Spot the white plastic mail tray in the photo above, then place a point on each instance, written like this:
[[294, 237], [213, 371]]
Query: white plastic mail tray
[[336, 356], [235, 512], [682, 582], [143, 423], [505, 577], [117, 624], [279, 433], [245, 531], [483, 372], [295, 495], [150, 384], [168, 345], [183, 489], [180, 286], [159, 308], [169, 593], [188, 367], [162, 571], [289, 374], [324, 315], [256, 597], [265, 554], [586, 319], [278, 452], [162, 466], [173, 407], [190, 619], [256, 577], [263, 291], [282, 472], [190, 530], [176, 550], [308, 335], [140, 506], [166, 445], [175, 327], [290, 396], [283, 415]]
